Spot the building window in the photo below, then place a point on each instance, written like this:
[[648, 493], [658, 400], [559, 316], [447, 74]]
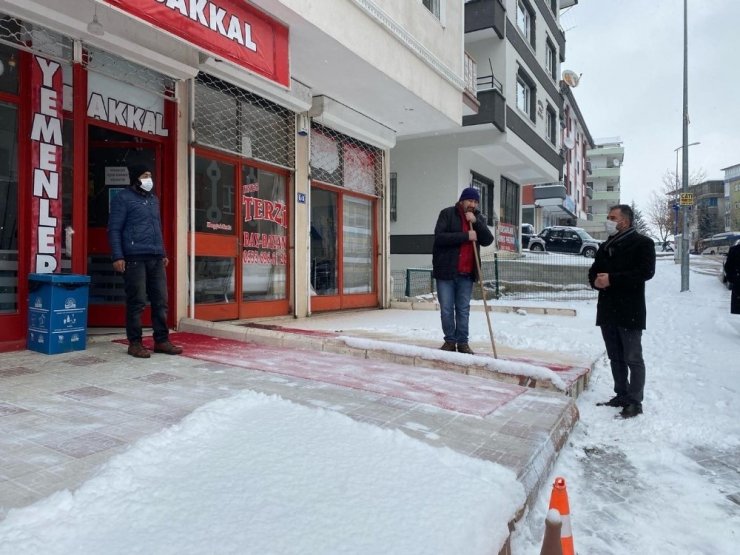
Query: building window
[[510, 199], [433, 6], [552, 125], [485, 187], [525, 94], [394, 196], [525, 21], [550, 59]]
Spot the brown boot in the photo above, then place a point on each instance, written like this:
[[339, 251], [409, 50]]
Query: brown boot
[[448, 346], [138, 350], [464, 348], [167, 348]]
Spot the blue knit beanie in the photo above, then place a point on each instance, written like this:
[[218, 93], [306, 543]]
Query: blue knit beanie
[[470, 194]]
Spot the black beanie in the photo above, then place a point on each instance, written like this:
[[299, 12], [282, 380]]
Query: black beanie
[[135, 171], [470, 194]]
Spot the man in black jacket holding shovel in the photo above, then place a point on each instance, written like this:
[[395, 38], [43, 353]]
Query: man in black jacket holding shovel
[[622, 265], [460, 229]]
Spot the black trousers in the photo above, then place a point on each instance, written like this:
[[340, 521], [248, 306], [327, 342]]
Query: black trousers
[[624, 348], [145, 279]]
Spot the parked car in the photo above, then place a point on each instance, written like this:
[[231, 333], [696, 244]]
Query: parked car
[[527, 233], [568, 239]]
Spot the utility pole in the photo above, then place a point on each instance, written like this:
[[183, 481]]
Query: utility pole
[[685, 165]]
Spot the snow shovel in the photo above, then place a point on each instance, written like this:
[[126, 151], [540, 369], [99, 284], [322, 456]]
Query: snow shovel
[[483, 292]]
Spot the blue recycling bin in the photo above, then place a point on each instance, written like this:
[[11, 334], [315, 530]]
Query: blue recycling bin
[[57, 313]]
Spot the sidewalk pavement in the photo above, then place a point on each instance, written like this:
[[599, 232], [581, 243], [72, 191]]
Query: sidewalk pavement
[[62, 416]]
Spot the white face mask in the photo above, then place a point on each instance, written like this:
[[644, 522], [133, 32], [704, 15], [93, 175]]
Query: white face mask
[[611, 227], [146, 184]]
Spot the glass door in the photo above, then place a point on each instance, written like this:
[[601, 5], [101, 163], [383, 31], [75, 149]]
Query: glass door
[[216, 239], [109, 156], [343, 270], [241, 239]]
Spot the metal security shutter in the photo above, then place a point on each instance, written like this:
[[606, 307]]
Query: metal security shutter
[[237, 121], [341, 160]]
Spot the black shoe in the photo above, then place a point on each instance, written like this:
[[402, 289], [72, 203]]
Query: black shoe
[[631, 410], [614, 402], [448, 346], [464, 348]]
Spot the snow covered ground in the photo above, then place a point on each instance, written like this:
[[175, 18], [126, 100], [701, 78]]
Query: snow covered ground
[[225, 480]]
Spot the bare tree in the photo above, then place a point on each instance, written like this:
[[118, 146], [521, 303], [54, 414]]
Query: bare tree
[[659, 212], [639, 222]]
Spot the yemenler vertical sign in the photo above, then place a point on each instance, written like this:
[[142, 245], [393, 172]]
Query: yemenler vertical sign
[[46, 158]]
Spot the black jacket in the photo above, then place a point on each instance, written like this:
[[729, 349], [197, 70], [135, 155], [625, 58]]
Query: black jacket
[[629, 259], [732, 267], [449, 235]]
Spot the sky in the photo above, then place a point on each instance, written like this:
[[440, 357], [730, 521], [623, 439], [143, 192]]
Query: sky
[[630, 55], [220, 480]]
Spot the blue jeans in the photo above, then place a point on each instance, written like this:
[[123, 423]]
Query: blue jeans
[[454, 305], [146, 279], [624, 349]]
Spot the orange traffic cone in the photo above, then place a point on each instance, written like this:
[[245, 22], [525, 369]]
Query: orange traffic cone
[[551, 542], [559, 501]]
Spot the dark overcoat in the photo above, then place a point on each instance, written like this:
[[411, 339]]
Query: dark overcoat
[[449, 236], [629, 259], [732, 274]]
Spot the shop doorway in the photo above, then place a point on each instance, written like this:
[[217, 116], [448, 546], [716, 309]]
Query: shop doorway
[[110, 153], [343, 251], [241, 239]]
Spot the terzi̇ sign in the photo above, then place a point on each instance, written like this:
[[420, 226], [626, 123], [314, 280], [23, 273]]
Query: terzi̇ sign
[[229, 29]]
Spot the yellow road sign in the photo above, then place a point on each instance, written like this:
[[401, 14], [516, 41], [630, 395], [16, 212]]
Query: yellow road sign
[[687, 199]]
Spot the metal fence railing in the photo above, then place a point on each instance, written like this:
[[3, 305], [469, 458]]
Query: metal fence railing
[[532, 276]]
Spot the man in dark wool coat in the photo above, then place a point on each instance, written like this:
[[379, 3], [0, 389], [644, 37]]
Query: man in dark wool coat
[[732, 275], [622, 265]]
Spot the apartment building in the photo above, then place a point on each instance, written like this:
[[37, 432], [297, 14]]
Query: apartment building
[[732, 197], [267, 124], [565, 202], [517, 47], [605, 158], [708, 216]]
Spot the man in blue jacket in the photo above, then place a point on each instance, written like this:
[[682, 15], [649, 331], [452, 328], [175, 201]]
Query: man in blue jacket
[[460, 229], [622, 265], [137, 250]]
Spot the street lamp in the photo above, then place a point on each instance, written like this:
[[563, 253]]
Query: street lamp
[[685, 148]]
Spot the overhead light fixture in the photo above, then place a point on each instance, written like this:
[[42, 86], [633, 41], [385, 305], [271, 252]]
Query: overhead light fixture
[[95, 27]]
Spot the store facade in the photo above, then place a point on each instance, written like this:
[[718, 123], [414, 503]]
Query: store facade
[[264, 212]]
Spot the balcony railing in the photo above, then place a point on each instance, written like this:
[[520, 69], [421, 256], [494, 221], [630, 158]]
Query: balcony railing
[[549, 191], [471, 75], [488, 82]]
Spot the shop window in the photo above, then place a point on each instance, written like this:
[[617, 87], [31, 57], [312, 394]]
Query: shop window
[[9, 213], [214, 196], [323, 241], [214, 279], [357, 255], [8, 69], [264, 235]]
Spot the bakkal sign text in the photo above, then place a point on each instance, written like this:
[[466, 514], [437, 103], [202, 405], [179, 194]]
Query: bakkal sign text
[[229, 29], [46, 159]]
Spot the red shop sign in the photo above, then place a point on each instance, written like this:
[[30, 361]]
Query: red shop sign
[[229, 29], [46, 157]]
